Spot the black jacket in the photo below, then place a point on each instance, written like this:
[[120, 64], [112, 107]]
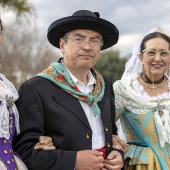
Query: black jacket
[[46, 109]]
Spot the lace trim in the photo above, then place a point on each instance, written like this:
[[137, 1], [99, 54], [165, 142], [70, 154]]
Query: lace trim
[[8, 95], [138, 89], [125, 97]]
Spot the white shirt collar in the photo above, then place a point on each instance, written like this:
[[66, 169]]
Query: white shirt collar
[[91, 79]]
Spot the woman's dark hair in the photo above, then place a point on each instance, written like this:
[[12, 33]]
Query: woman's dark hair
[[0, 24], [151, 36]]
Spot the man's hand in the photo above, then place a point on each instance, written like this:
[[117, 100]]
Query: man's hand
[[45, 143], [89, 160], [114, 161]]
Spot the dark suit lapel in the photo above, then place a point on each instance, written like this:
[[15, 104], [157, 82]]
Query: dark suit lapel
[[103, 110], [72, 104]]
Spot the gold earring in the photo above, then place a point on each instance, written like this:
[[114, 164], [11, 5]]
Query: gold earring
[[0, 58], [168, 72], [143, 69]]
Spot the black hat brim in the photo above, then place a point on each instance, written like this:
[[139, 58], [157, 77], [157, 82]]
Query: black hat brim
[[60, 27]]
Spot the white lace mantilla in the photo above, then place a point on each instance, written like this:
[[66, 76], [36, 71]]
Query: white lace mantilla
[[8, 95], [126, 97]]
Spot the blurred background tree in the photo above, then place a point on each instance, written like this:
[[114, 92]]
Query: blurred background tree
[[111, 65], [25, 51], [19, 6]]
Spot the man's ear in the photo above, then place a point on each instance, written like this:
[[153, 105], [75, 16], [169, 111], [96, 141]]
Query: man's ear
[[62, 43]]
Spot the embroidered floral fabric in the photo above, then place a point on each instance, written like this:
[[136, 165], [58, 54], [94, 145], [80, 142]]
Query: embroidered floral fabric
[[143, 124], [58, 74], [8, 95]]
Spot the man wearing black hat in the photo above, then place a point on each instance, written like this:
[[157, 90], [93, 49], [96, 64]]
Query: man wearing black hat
[[70, 101]]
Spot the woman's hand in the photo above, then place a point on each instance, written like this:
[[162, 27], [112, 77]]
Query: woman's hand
[[119, 143], [45, 143]]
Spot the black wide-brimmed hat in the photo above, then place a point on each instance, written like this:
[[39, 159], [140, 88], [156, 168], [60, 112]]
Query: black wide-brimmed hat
[[83, 19]]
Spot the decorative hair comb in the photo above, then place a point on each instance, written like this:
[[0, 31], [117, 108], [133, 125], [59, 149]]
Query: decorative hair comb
[[160, 30]]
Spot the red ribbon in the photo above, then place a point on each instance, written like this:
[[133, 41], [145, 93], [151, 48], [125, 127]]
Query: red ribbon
[[103, 149]]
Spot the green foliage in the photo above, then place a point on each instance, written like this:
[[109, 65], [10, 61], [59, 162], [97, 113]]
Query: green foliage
[[111, 65], [19, 6]]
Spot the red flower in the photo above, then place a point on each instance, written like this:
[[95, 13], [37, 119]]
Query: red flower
[[61, 77], [76, 88], [84, 97]]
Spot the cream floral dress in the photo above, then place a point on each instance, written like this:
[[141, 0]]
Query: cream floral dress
[[145, 122]]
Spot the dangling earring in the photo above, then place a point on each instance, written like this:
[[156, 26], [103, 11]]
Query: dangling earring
[[168, 72], [0, 58], [143, 69]]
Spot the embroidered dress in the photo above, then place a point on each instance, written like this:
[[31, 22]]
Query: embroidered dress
[[9, 121], [146, 124]]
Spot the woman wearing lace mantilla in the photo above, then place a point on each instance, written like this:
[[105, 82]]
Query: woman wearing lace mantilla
[[9, 122], [142, 99]]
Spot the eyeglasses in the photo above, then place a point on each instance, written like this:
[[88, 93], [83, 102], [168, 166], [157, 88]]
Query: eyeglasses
[[95, 43], [164, 54]]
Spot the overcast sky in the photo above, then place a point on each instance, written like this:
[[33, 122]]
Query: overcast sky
[[133, 18]]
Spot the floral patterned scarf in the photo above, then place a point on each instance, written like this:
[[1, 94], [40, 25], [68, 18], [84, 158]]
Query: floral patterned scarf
[[58, 74]]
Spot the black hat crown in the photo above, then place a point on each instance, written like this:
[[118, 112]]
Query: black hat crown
[[83, 19], [86, 13]]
